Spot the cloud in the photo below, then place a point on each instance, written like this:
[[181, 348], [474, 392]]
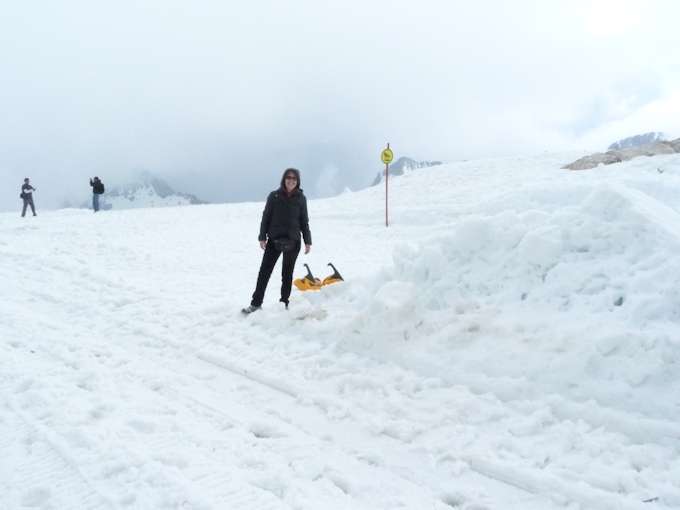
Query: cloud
[[328, 182], [219, 98], [610, 18], [662, 114]]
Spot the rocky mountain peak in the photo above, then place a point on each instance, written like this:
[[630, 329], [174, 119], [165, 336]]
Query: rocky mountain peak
[[638, 141]]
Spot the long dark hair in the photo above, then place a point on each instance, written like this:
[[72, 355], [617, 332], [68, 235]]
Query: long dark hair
[[291, 171]]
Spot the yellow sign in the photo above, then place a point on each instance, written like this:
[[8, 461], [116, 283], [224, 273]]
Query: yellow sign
[[387, 156]]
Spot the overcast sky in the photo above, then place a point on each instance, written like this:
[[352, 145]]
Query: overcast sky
[[219, 99]]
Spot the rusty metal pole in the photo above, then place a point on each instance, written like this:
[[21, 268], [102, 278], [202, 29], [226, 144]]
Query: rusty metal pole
[[387, 174]]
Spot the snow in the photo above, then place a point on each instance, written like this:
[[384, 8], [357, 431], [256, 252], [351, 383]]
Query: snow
[[142, 196], [509, 342]]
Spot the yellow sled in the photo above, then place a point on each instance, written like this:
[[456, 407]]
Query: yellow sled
[[334, 278], [310, 282]]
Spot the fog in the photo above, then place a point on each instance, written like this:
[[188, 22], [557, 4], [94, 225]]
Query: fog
[[218, 100]]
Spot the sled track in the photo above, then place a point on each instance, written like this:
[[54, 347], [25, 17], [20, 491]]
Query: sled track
[[53, 478], [206, 475], [532, 483], [46, 475], [219, 487]]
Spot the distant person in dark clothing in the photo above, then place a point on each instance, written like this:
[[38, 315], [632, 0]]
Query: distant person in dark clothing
[[284, 218], [27, 196], [97, 189]]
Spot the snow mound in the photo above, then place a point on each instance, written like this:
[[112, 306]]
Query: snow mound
[[515, 300]]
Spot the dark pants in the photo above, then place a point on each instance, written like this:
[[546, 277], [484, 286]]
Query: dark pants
[[271, 255], [95, 202], [28, 201]]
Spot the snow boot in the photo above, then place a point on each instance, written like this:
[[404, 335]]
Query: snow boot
[[250, 309]]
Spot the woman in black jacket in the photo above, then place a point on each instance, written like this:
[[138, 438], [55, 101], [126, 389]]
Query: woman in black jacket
[[284, 218]]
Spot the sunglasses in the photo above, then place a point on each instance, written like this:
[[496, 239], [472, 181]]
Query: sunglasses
[[291, 178]]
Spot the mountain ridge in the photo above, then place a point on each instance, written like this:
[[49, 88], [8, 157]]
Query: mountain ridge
[[403, 165], [632, 142], [147, 190]]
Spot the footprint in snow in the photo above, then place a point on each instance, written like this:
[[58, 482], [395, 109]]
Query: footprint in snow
[[144, 427], [36, 497]]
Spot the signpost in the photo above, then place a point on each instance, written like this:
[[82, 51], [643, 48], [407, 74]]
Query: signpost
[[387, 156]]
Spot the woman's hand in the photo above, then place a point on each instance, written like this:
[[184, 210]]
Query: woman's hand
[[308, 248], [263, 244]]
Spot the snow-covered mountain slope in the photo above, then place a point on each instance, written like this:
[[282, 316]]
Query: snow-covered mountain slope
[[509, 342], [147, 191], [403, 165]]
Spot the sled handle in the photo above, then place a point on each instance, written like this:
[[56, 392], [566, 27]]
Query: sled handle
[[335, 274], [309, 276]]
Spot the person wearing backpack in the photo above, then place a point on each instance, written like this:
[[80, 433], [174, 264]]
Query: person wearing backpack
[[97, 189], [27, 196], [283, 220]]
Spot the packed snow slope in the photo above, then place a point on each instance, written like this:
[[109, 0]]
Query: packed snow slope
[[509, 342]]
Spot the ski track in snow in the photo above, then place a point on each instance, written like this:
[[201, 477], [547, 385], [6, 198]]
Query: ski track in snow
[[130, 380]]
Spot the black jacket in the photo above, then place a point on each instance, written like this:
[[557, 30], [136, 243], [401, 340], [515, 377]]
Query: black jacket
[[27, 191], [285, 217], [97, 186]]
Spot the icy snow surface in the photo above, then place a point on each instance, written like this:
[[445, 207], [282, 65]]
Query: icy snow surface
[[509, 342]]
